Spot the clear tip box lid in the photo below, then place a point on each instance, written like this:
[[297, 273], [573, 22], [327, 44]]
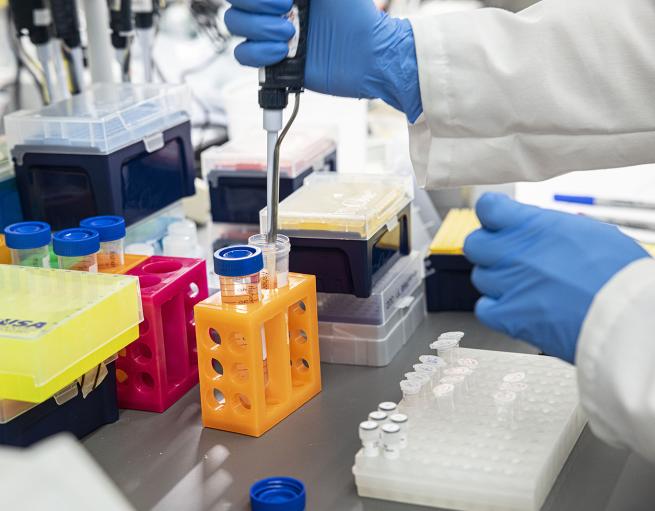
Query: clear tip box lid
[[56, 325], [343, 206], [300, 152], [103, 118]]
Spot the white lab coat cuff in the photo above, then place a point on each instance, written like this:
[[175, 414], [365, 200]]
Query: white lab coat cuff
[[615, 360]]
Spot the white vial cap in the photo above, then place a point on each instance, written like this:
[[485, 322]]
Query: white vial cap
[[471, 363], [425, 368], [368, 431], [410, 387], [444, 344], [516, 387], [377, 416], [145, 249], [458, 371], [443, 389], [421, 378], [453, 380], [387, 407], [504, 397], [514, 377], [390, 429], [452, 335], [432, 360], [183, 228], [399, 418]]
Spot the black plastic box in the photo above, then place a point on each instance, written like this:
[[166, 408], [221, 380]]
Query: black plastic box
[[448, 284], [78, 416]]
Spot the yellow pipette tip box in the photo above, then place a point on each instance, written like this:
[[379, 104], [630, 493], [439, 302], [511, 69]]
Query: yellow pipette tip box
[[342, 206], [454, 230], [56, 325]]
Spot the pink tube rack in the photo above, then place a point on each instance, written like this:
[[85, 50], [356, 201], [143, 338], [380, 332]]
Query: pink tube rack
[[162, 364]]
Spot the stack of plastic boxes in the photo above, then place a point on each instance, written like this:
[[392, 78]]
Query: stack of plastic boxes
[[58, 329], [115, 149], [354, 233], [10, 211], [236, 173]]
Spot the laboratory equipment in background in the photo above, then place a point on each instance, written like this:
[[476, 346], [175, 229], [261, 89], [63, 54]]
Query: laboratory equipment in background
[[29, 244], [162, 364], [10, 209], [347, 229], [448, 285], [114, 149], [257, 349], [236, 172], [77, 249], [67, 31], [371, 331], [153, 229], [111, 230], [491, 430], [182, 240], [94, 316]]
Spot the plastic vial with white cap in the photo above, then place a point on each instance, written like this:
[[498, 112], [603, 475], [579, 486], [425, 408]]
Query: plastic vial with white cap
[[447, 348], [238, 269], [182, 240], [402, 421], [428, 370], [424, 381], [387, 407], [28, 244], [378, 417], [276, 260], [369, 434], [77, 249], [391, 440], [111, 230], [433, 360], [411, 394], [452, 335], [444, 395]]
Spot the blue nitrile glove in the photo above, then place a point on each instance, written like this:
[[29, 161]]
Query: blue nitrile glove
[[353, 50], [539, 270]]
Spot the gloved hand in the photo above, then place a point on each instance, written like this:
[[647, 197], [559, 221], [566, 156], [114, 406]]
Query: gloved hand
[[539, 270], [353, 49]]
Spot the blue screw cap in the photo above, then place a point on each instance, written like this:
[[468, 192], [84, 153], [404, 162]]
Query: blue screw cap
[[278, 494], [238, 261], [76, 242], [27, 235], [110, 228]]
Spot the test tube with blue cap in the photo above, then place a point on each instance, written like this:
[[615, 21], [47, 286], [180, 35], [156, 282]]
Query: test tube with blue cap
[[111, 230], [77, 249], [238, 269], [28, 244]]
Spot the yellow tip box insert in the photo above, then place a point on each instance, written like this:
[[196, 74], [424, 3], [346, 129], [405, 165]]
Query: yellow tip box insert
[[56, 325]]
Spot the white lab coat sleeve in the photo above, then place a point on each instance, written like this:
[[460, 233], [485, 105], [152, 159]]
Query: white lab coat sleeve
[[563, 85], [616, 360]]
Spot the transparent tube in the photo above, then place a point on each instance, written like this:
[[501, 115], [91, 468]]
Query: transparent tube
[[424, 381], [429, 370], [447, 349], [111, 255], [33, 257], [505, 401], [240, 290], [275, 274], [444, 395], [411, 394], [402, 421], [88, 263]]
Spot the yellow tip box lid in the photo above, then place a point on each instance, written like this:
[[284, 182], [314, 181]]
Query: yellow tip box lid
[[454, 230], [56, 325]]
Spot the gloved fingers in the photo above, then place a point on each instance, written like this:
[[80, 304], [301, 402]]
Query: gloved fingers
[[258, 27], [486, 310], [278, 7], [490, 282], [260, 54], [497, 211], [484, 248]]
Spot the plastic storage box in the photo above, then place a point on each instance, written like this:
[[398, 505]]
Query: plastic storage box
[[373, 345], [22, 424], [56, 325], [10, 210], [236, 172], [347, 229], [115, 149], [448, 284], [398, 283]]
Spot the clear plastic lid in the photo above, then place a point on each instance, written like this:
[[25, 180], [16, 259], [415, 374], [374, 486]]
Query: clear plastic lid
[[389, 294], [6, 167], [343, 206], [103, 118], [300, 152]]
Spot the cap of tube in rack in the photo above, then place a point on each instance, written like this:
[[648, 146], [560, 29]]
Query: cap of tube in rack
[[238, 261], [110, 228], [278, 494], [27, 235], [76, 242]]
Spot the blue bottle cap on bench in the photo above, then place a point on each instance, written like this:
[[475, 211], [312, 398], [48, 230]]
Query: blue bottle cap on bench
[[238, 261], [27, 235], [278, 494], [76, 242], [110, 228]]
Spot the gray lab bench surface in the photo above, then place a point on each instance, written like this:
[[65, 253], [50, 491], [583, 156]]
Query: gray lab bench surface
[[151, 457]]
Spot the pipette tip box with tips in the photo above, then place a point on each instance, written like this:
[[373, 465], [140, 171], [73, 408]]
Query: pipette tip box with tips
[[115, 149], [347, 229]]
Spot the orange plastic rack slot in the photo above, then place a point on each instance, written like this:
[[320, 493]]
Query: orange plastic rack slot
[[5, 257], [131, 261], [240, 390]]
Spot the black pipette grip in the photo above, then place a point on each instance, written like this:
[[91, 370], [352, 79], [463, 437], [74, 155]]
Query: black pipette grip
[[289, 75]]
